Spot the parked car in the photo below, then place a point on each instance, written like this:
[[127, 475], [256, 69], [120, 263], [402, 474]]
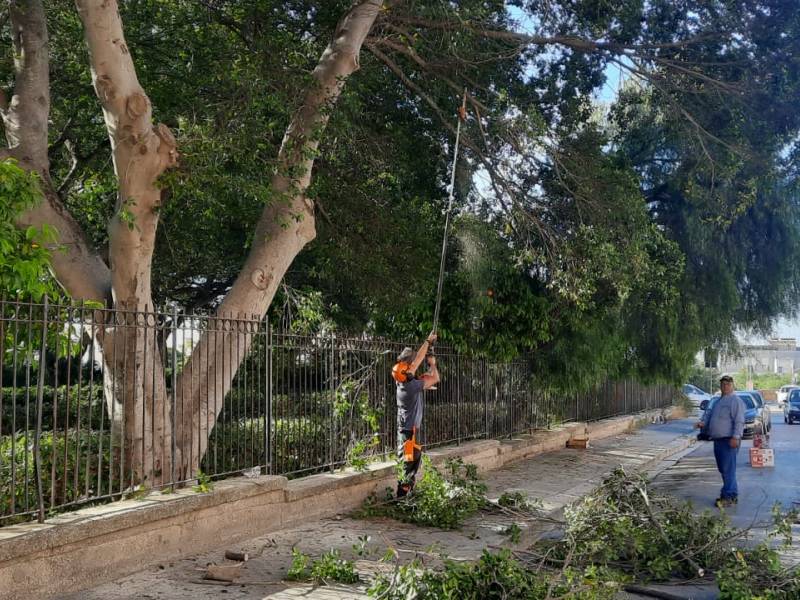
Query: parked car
[[756, 418], [791, 408], [766, 415], [695, 394], [783, 393]]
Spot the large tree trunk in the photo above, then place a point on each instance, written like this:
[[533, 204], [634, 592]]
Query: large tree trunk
[[285, 227], [141, 152]]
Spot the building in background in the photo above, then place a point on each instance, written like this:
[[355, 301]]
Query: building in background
[[779, 355]]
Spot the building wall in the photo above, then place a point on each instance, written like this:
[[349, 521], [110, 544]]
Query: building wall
[[761, 359]]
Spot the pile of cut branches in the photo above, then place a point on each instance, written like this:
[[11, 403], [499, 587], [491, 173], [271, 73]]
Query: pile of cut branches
[[622, 535], [442, 498]]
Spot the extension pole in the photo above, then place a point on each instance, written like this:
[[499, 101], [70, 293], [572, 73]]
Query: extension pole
[[461, 117]]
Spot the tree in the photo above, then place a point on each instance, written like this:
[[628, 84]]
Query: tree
[[521, 136]]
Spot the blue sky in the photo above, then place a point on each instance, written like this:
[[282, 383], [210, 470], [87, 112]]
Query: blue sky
[[784, 328]]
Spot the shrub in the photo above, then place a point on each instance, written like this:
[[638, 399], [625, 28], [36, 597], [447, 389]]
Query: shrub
[[61, 408], [298, 445], [75, 466]]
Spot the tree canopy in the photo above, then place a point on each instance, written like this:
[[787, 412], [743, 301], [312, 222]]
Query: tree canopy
[[603, 238]]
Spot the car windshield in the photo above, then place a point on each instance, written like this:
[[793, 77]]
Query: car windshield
[[794, 398], [749, 403], [688, 389]]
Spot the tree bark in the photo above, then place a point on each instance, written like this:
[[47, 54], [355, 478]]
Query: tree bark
[[141, 153], [285, 227]]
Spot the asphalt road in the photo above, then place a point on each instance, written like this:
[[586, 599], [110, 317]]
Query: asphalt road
[[695, 477]]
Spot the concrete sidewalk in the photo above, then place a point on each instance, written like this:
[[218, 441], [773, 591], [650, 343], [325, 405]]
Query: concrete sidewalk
[[557, 478]]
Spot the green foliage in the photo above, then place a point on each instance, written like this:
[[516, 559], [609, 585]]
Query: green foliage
[[204, 483], [301, 444], [493, 577], [708, 379], [360, 548], [329, 567], [24, 258], [624, 522], [514, 533], [358, 419], [518, 501], [634, 237], [442, 498], [763, 381], [76, 465], [62, 407], [757, 574], [298, 570]]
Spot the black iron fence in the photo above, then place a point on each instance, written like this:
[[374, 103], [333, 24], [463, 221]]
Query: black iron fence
[[99, 404]]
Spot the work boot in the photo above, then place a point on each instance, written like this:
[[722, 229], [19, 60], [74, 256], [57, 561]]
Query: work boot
[[724, 502]]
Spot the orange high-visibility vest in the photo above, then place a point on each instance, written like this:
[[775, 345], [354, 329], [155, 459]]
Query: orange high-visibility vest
[[410, 445]]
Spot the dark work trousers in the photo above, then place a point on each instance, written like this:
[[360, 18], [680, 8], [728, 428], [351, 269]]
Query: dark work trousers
[[410, 468], [726, 463]]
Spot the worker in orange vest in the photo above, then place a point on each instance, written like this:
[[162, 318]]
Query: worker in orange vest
[[409, 408]]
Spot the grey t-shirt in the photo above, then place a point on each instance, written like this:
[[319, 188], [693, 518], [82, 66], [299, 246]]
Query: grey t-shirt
[[409, 404]]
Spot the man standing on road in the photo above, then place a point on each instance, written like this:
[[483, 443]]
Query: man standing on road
[[409, 411], [724, 422]]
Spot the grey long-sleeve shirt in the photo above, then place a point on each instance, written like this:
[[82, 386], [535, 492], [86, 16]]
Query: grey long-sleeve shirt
[[725, 417]]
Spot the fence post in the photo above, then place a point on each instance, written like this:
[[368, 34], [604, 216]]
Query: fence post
[[39, 402], [459, 375], [268, 396], [332, 388], [486, 395], [174, 390]]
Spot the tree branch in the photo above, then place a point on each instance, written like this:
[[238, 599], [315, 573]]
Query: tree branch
[[141, 152], [574, 42], [25, 120], [72, 168], [499, 183], [63, 136], [228, 23], [409, 52]]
